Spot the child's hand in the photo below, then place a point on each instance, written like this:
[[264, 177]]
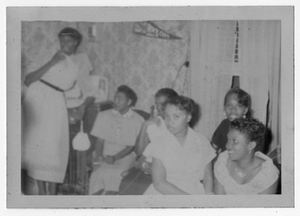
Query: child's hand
[[109, 159]]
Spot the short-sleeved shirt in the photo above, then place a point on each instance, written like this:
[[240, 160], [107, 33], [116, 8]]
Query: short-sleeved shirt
[[219, 137], [117, 130], [266, 177], [185, 165], [83, 86]]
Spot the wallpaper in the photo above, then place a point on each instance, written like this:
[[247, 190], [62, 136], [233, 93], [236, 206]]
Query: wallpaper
[[146, 64]]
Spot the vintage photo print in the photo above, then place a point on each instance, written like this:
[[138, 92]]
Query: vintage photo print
[[69, 71]]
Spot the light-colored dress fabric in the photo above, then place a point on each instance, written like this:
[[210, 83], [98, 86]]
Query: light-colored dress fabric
[[263, 179], [118, 131], [184, 165], [83, 87], [156, 130], [45, 138]]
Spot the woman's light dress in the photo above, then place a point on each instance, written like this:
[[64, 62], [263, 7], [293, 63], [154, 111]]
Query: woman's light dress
[[266, 177], [46, 132]]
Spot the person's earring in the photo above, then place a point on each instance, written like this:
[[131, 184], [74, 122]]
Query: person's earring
[[244, 116]]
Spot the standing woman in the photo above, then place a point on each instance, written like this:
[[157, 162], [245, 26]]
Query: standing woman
[[46, 132]]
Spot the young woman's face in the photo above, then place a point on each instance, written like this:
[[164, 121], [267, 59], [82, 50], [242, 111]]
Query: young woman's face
[[67, 44], [176, 120], [233, 108], [237, 145], [159, 104], [121, 102]]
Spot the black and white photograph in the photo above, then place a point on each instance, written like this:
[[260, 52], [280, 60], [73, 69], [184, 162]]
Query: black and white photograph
[[150, 107]]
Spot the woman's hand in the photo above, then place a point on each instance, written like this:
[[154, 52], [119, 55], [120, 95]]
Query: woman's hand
[[36, 75], [58, 56], [109, 159], [97, 161], [79, 113], [143, 165]]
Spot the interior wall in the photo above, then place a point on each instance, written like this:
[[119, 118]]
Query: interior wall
[[143, 63]]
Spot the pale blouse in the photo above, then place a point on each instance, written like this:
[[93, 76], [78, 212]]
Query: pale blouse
[[73, 76], [156, 130], [184, 165], [266, 177], [117, 130]]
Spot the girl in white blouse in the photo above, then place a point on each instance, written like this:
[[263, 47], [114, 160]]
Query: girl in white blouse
[[242, 169], [181, 159]]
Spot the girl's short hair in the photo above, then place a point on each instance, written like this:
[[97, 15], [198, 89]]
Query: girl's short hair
[[71, 32], [183, 103], [252, 128], [129, 93], [242, 97]]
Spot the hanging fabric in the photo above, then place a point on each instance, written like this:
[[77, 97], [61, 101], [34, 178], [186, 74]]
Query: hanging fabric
[[212, 49], [260, 70]]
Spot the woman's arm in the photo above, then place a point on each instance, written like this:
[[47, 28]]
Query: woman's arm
[[272, 189], [126, 151], [99, 145], [36, 75], [78, 115], [142, 140], [159, 180], [208, 179], [218, 187]]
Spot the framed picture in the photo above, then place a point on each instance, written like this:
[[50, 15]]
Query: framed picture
[[101, 85]]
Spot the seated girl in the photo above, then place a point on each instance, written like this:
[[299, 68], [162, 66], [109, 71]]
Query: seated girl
[[237, 105], [181, 159], [242, 169], [154, 126], [116, 131]]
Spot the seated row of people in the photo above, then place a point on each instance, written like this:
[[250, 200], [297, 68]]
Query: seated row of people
[[179, 159]]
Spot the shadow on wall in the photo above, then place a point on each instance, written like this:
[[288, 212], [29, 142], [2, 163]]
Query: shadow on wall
[[196, 116], [268, 141], [273, 154]]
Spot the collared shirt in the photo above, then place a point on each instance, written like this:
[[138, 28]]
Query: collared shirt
[[117, 130], [128, 114], [266, 177], [184, 165]]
